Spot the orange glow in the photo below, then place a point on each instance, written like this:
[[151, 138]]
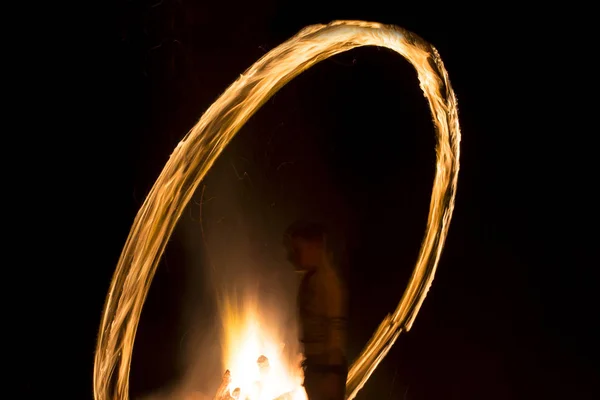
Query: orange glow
[[249, 335], [195, 154]]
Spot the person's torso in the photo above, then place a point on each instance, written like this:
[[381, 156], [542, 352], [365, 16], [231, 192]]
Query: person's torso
[[311, 317], [314, 321]]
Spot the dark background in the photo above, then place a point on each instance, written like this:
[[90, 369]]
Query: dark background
[[511, 312]]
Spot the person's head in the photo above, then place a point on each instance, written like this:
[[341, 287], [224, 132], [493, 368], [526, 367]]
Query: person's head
[[305, 243]]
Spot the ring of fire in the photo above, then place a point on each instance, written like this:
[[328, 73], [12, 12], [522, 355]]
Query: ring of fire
[[195, 154]]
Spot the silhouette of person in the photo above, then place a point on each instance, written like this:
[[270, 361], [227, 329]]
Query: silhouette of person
[[322, 312]]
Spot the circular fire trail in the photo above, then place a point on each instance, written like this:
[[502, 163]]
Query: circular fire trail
[[196, 153]]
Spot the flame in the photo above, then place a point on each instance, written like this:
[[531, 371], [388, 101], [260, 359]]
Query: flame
[[196, 153], [253, 354]]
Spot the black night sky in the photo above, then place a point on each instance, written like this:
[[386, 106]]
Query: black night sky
[[511, 313]]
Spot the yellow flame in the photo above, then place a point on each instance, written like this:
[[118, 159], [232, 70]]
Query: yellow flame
[[196, 153], [249, 334]]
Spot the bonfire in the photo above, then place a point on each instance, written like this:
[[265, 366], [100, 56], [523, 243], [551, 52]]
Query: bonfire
[[227, 391]]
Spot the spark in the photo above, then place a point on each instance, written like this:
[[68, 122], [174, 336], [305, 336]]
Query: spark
[[195, 155], [241, 176]]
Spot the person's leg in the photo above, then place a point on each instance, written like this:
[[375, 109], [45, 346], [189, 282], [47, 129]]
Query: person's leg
[[324, 385], [337, 386], [311, 384]]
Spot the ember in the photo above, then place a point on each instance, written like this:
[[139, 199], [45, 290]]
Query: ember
[[228, 391]]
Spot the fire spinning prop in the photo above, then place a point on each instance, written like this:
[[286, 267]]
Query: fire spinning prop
[[197, 152]]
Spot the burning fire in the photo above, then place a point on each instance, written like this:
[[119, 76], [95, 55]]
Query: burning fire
[[258, 367], [195, 155]]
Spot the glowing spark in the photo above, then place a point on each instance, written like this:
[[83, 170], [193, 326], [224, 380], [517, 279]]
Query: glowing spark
[[195, 155]]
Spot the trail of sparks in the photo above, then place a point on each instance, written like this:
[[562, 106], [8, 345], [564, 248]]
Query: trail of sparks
[[196, 153]]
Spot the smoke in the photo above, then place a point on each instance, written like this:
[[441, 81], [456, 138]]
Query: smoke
[[232, 243]]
